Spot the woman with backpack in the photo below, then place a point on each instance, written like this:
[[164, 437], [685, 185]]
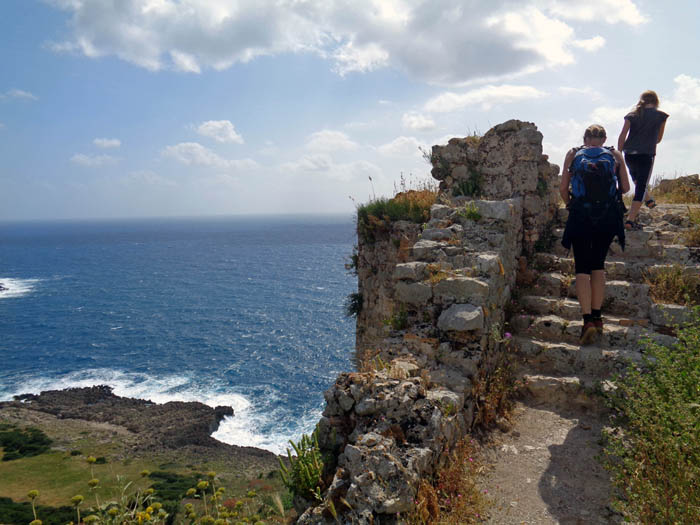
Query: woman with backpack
[[598, 178], [642, 131]]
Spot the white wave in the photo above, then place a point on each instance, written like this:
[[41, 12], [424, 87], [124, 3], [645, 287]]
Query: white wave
[[16, 287], [243, 429]]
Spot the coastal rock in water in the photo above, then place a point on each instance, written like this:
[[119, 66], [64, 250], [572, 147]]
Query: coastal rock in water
[[169, 425]]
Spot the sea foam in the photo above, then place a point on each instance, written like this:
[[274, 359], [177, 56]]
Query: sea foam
[[16, 287]]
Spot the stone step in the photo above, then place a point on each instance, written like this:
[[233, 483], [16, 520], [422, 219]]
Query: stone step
[[621, 297], [615, 335], [559, 390], [615, 268], [663, 246], [560, 358], [659, 315]]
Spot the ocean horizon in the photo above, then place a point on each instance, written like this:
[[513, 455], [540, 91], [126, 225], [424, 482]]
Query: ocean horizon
[[243, 311]]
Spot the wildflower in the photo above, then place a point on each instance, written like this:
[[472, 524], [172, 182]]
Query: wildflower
[[77, 500], [33, 494], [113, 511], [93, 482], [188, 506], [145, 473], [90, 519], [471, 459], [190, 493], [508, 335], [149, 510], [211, 474], [192, 515], [202, 485], [35, 522], [91, 459], [157, 505]]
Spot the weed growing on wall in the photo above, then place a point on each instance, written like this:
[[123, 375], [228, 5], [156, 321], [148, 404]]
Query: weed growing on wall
[[673, 285]]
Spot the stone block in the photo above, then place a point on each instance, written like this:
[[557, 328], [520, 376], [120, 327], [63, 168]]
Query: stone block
[[462, 318], [440, 211], [437, 234], [498, 210], [410, 271], [669, 314], [444, 397], [426, 248], [489, 264], [462, 290], [413, 293]]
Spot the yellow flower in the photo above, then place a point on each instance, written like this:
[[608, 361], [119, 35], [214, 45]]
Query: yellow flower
[[149, 491], [145, 473], [202, 485], [191, 492], [93, 482], [91, 459], [32, 494], [211, 474], [77, 500], [35, 522]]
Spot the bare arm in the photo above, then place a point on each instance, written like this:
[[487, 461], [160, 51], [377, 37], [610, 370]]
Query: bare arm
[[661, 131], [622, 172], [566, 177], [623, 135]]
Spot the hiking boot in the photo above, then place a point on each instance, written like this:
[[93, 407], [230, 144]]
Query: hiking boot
[[588, 332], [598, 322]]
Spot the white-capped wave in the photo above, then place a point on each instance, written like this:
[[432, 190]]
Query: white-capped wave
[[243, 429], [16, 287]]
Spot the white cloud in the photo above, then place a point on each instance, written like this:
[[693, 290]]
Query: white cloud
[[329, 140], [487, 96], [590, 44], [194, 154], [323, 165], [18, 93], [402, 146], [441, 41], [611, 11], [417, 121], [220, 131], [107, 143], [92, 161]]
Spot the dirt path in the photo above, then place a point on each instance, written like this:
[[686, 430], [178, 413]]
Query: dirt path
[[545, 470]]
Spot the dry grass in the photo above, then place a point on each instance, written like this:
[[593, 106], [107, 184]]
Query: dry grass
[[680, 194], [673, 285], [454, 498]]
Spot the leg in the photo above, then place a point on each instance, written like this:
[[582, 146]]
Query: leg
[[639, 168], [583, 292], [597, 288]]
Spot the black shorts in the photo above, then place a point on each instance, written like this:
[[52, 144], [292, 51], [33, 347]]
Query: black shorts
[[590, 251], [639, 166]]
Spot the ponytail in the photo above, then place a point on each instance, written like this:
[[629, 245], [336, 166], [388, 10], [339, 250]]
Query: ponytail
[[646, 98]]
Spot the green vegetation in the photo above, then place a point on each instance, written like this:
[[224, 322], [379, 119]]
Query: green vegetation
[[20, 443], [470, 211], [674, 285], [398, 321], [472, 186], [376, 216], [21, 513], [353, 304], [542, 186], [303, 475], [654, 454]]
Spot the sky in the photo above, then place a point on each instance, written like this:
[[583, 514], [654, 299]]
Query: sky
[[157, 108]]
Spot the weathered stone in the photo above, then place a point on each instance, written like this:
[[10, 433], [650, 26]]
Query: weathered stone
[[462, 290], [424, 248], [412, 271], [498, 210], [489, 264], [413, 293], [437, 234], [669, 314], [440, 211], [462, 318]]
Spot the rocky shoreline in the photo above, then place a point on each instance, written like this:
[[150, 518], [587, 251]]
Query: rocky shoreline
[[155, 427]]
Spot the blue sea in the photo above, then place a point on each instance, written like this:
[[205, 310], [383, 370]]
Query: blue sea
[[245, 312]]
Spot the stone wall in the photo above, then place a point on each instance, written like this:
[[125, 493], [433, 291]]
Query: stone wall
[[431, 325]]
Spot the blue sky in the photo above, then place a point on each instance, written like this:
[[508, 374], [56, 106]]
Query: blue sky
[[137, 108]]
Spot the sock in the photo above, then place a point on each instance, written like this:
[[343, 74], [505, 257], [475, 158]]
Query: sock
[[595, 314], [587, 318]]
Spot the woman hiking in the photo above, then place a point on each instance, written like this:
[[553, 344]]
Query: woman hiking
[[598, 177], [642, 131]]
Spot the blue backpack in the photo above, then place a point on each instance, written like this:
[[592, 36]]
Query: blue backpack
[[593, 180]]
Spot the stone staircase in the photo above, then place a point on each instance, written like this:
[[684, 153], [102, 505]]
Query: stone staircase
[[554, 367]]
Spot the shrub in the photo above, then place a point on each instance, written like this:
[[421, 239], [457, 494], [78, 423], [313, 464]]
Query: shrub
[[673, 285], [471, 212], [472, 186], [303, 475], [20, 443], [353, 304], [654, 454], [11, 512], [398, 321], [375, 216]]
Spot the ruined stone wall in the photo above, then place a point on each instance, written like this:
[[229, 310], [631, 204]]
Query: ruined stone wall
[[445, 288]]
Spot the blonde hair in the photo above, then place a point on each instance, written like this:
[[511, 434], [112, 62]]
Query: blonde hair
[[594, 131], [646, 98]]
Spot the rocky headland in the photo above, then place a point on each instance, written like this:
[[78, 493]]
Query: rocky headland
[[150, 426]]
